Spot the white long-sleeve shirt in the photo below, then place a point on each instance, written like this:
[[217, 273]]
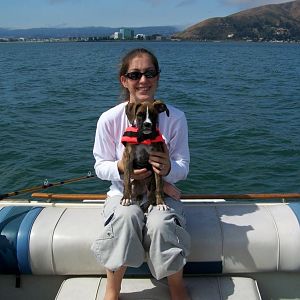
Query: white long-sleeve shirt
[[108, 149]]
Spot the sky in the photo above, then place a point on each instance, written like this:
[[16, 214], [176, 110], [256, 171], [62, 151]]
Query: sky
[[17, 14]]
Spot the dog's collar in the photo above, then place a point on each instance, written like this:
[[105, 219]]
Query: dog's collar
[[131, 136]]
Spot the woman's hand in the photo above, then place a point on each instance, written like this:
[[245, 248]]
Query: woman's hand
[[160, 161], [138, 174]]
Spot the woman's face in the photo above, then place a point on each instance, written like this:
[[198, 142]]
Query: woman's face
[[142, 89]]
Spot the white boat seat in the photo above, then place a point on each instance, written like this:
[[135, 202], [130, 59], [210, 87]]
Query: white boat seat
[[260, 241], [200, 288], [226, 238]]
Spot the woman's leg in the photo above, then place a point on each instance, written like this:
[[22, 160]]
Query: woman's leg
[[120, 243], [167, 241], [177, 287], [113, 283]]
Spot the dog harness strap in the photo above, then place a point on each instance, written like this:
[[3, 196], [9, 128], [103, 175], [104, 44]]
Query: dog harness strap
[[131, 133]]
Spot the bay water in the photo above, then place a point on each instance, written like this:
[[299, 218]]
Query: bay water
[[241, 100]]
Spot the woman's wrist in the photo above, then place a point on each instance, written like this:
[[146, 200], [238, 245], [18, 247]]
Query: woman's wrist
[[169, 170], [120, 166], [168, 167]]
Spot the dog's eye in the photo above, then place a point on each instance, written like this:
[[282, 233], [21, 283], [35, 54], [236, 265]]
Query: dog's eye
[[140, 115]]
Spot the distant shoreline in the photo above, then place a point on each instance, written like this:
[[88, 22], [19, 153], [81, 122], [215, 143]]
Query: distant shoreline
[[63, 40]]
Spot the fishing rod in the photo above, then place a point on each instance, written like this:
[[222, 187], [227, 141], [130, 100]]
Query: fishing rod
[[46, 185]]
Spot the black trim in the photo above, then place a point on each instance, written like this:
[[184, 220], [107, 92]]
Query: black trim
[[191, 268]]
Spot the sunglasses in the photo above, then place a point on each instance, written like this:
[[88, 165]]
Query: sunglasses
[[137, 75]]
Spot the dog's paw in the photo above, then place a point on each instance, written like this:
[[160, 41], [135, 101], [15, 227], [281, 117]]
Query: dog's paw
[[149, 209], [126, 202], [163, 207]]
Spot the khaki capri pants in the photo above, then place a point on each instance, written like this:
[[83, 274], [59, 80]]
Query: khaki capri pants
[[129, 236]]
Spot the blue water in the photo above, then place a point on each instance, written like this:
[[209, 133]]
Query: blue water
[[242, 103]]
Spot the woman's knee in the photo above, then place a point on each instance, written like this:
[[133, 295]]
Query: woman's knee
[[129, 214], [158, 221]]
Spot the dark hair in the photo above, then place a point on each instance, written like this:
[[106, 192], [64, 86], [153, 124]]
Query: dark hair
[[126, 61]]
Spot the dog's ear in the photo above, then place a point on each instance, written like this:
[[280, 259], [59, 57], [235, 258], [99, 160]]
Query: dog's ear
[[130, 111], [160, 107]]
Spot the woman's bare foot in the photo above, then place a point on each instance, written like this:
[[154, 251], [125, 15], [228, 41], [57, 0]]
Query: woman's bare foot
[[177, 287], [111, 295]]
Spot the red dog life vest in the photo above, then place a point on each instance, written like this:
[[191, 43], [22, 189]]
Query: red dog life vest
[[131, 133]]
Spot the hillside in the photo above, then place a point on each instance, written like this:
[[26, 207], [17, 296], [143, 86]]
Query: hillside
[[268, 22]]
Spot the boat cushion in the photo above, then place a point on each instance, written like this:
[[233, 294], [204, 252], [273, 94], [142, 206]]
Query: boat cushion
[[226, 238], [15, 227], [213, 288]]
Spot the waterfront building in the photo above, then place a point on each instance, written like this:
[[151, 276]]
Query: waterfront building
[[127, 33], [117, 36], [140, 36]]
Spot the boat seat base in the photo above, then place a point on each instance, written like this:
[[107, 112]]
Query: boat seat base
[[206, 288]]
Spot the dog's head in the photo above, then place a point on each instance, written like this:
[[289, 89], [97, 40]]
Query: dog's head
[[145, 115]]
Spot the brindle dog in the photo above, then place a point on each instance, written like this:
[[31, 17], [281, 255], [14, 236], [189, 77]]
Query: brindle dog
[[139, 141]]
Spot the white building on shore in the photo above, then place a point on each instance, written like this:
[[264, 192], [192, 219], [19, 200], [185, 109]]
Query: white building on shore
[[124, 34]]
